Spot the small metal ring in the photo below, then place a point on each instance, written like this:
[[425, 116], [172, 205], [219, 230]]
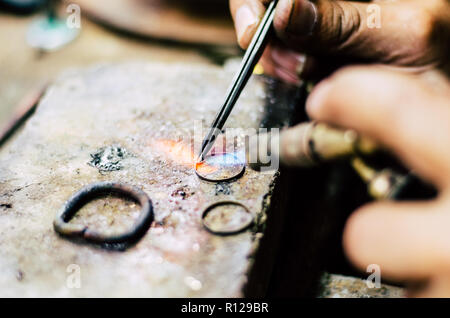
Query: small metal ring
[[93, 191], [236, 176], [224, 233]]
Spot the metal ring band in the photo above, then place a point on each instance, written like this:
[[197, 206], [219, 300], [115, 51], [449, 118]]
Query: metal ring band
[[224, 233], [93, 191], [236, 176]]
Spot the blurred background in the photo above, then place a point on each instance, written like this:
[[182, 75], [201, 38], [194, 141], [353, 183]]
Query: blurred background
[[41, 38]]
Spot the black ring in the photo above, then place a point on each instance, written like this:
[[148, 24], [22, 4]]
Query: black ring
[[224, 233], [93, 191]]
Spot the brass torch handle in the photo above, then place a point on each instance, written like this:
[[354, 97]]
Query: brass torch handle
[[312, 143]]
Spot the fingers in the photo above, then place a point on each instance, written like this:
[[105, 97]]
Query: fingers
[[397, 110], [284, 64], [293, 67], [437, 286], [246, 15], [297, 17], [397, 33], [407, 240], [289, 64]]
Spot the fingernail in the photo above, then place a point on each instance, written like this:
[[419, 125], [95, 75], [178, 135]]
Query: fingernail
[[288, 77], [303, 16], [291, 61], [317, 98], [301, 60], [244, 19]]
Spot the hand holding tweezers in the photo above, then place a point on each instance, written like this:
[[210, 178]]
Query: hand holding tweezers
[[241, 78]]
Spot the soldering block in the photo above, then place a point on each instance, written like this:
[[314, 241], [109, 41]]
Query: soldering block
[[129, 123]]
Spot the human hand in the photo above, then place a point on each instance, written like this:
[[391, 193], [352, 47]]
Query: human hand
[[410, 116], [413, 34]]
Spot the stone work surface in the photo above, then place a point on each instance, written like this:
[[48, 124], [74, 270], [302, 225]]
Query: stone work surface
[[145, 110], [339, 286]]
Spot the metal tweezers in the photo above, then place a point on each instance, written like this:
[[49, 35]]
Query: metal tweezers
[[241, 78]]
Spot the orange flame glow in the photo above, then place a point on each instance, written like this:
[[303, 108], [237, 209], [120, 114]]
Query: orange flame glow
[[204, 168], [182, 154]]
